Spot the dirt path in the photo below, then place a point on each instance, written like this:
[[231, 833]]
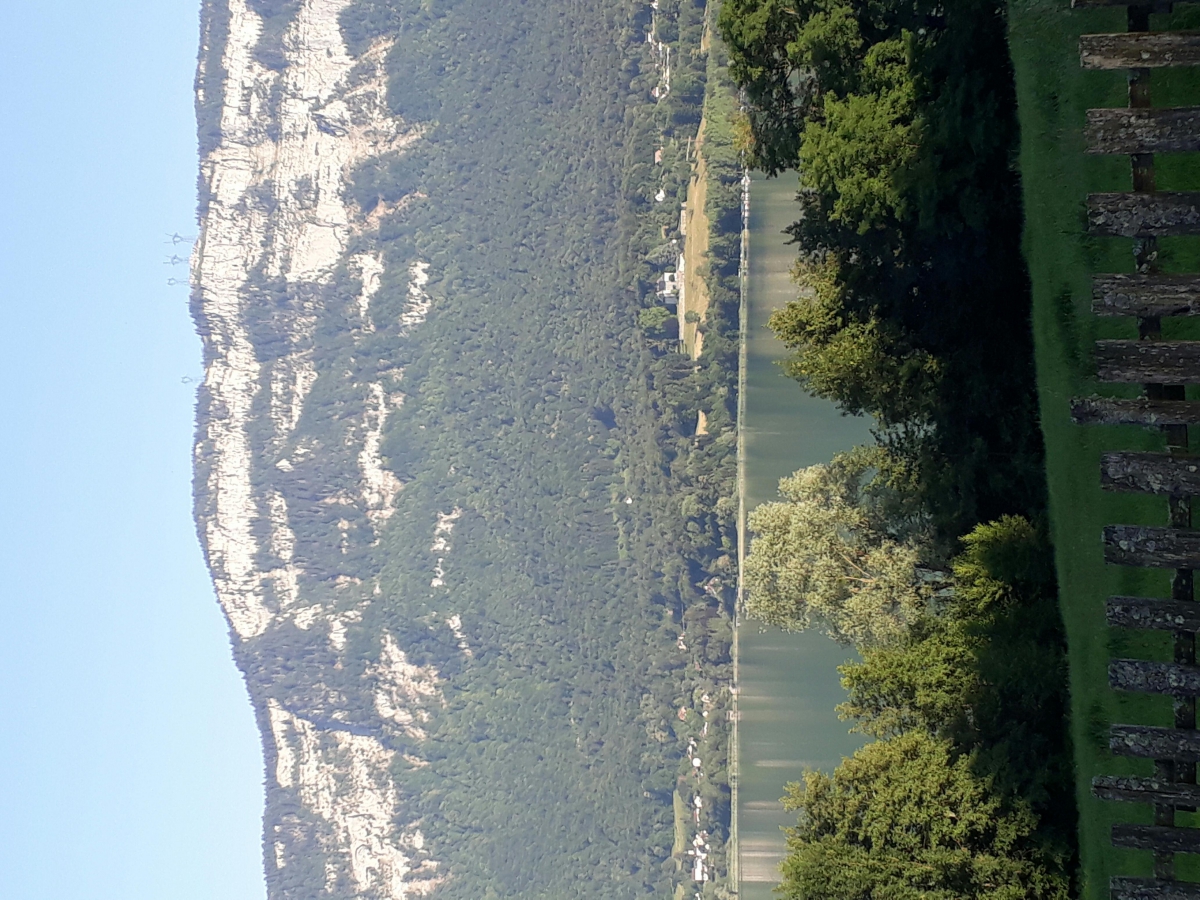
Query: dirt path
[[694, 297]]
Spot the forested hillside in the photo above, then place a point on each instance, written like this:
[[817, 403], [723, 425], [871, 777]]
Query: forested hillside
[[477, 557]]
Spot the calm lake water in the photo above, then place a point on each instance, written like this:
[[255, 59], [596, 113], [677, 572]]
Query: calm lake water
[[788, 682]]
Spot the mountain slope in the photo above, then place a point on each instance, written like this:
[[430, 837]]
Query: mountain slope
[[474, 559]]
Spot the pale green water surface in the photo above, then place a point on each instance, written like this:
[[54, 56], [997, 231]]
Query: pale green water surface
[[788, 682]]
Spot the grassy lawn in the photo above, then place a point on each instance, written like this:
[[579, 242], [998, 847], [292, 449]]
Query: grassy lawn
[[1054, 93]]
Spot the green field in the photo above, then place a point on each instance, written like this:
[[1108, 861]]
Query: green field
[[1054, 94]]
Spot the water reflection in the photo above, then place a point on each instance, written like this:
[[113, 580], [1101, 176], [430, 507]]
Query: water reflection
[[788, 682]]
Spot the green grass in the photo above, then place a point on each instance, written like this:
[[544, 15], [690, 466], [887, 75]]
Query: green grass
[[679, 847], [1054, 94]]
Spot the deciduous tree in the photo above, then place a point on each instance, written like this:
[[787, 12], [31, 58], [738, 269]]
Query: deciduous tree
[[831, 554]]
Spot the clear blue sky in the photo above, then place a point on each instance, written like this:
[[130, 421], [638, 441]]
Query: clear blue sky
[[129, 762]]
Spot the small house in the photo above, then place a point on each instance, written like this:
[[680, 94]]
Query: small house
[[668, 288]]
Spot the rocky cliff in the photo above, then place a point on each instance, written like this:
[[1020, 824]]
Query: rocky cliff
[[275, 219], [341, 460]]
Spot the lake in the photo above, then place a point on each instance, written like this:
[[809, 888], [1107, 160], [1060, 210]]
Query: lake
[[788, 683]]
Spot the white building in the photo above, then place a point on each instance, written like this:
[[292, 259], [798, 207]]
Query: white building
[[668, 288]]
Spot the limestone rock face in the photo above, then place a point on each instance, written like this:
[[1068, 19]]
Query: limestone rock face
[[275, 240]]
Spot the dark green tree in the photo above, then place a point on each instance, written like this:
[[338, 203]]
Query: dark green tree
[[909, 818]]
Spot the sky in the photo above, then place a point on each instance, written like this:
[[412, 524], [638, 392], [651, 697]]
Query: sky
[[129, 760]]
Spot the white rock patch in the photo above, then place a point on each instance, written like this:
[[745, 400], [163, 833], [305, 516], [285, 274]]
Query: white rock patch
[[285, 759], [283, 545], [304, 618], [291, 379], [344, 778], [379, 484], [370, 267], [337, 634], [339, 626], [417, 307], [455, 623], [441, 544], [332, 114], [403, 689]]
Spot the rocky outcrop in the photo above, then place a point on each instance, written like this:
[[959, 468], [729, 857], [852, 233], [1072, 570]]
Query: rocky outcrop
[[275, 238]]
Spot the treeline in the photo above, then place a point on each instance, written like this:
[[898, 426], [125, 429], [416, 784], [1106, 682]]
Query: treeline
[[901, 118], [698, 569], [703, 463], [927, 551]]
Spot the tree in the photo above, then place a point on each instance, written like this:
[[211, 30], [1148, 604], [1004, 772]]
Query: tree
[[933, 679], [654, 321], [1003, 563], [789, 55], [858, 150], [924, 684], [986, 671], [907, 818], [863, 365], [833, 552]]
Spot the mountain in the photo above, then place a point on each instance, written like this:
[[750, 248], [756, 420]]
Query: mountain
[[472, 525]]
